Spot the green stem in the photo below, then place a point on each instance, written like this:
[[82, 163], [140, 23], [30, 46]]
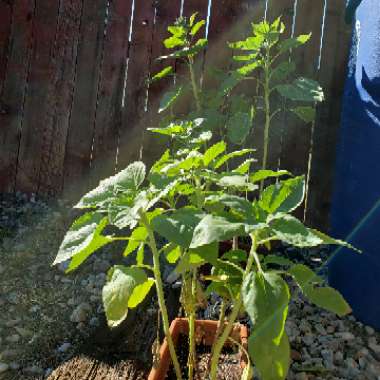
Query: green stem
[[161, 296], [267, 118], [235, 312], [194, 84], [191, 358]]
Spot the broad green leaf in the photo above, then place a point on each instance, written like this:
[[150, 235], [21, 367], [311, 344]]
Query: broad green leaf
[[196, 27], [307, 114], [172, 129], [238, 127], [331, 241], [261, 175], [253, 43], [188, 51], [278, 260], [244, 58], [239, 204], [169, 98], [245, 167], [282, 71], [236, 256], [192, 18], [173, 255], [177, 30], [302, 89], [129, 179], [325, 297], [178, 226], [225, 158], [292, 43], [117, 292], [266, 297], [247, 69], [82, 239], [284, 196], [213, 152], [237, 181], [215, 229], [139, 293], [137, 237], [163, 73], [173, 42], [140, 255], [271, 360]]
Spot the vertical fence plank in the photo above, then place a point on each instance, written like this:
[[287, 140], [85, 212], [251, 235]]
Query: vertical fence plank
[[29, 159], [297, 134], [60, 97], [332, 77], [166, 13], [192, 6], [14, 91], [5, 30], [136, 92], [90, 55], [108, 113]]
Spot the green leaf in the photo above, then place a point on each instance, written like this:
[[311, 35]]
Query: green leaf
[[188, 51], [239, 204], [284, 196], [196, 27], [225, 158], [139, 293], [82, 239], [236, 256], [117, 292], [137, 237], [215, 229], [238, 127], [302, 89], [292, 43], [163, 73], [174, 41], [178, 226], [266, 297], [282, 71], [247, 69], [140, 255], [278, 260], [129, 179], [253, 43], [172, 130], [271, 360], [173, 255], [237, 181], [213, 152], [325, 297], [169, 98], [261, 175], [192, 18], [307, 114], [290, 230], [245, 167], [177, 30]]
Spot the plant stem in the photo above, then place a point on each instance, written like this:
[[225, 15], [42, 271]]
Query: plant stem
[[191, 358], [235, 312], [194, 84], [267, 116], [161, 296]]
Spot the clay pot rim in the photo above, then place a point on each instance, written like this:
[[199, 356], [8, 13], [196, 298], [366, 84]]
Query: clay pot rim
[[180, 326]]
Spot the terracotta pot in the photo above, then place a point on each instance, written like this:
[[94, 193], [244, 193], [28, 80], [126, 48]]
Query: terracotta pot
[[205, 331]]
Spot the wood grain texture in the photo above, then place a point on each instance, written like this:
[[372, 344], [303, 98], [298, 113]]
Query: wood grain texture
[[36, 98], [332, 78], [108, 112], [81, 131], [134, 112], [62, 82], [5, 32], [14, 89]]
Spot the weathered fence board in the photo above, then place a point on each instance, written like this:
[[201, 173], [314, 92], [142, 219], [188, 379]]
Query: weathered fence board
[[36, 97], [90, 56], [14, 91], [108, 112], [76, 98]]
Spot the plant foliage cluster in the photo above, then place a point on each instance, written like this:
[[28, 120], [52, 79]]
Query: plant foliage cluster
[[204, 191]]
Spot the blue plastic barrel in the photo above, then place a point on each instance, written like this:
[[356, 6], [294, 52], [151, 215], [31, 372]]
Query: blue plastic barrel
[[356, 202]]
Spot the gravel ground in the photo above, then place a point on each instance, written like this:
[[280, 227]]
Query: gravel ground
[[46, 316]]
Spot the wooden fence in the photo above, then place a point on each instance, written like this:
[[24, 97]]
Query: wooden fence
[[75, 101]]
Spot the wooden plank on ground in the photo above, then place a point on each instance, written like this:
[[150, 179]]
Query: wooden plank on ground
[[134, 116], [81, 131], [60, 95], [5, 31], [14, 91], [332, 78], [29, 158], [110, 96]]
